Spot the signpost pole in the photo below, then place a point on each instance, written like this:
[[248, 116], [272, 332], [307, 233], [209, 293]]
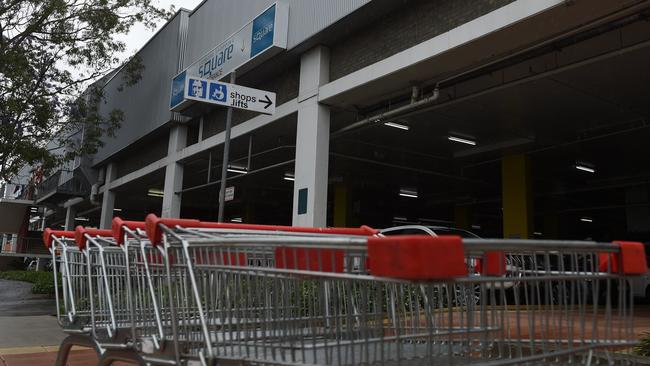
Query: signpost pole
[[226, 153]]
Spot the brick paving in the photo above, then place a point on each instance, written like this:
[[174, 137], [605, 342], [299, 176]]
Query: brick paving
[[77, 357], [46, 355]]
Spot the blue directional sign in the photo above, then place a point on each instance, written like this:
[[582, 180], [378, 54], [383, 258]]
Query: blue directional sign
[[260, 38], [225, 94]]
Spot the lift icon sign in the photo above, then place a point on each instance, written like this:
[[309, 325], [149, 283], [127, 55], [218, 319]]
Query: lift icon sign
[[225, 94]]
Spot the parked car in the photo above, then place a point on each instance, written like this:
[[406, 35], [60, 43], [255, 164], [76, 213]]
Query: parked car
[[465, 295], [427, 230]]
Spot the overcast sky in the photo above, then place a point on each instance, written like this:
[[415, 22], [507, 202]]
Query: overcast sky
[[139, 35]]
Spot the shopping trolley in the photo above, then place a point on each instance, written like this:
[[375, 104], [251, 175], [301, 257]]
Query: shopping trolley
[[346, 300], [117, 315], [153, 314], [75, 301], [96, 294], [168, 325]]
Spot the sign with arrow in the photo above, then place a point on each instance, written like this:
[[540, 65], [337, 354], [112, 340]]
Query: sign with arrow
[[259, 39], [226, 94]]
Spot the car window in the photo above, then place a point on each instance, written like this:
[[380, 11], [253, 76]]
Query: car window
[[409, 231]]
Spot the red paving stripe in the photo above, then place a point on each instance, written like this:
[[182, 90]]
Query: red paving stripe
[[76, 358]]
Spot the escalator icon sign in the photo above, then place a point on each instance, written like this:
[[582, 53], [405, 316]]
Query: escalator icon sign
[[218, 92]]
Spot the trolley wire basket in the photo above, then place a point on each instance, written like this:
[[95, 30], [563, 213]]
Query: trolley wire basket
[[345, 300], [184, 291], [73, 297], [178, 307]]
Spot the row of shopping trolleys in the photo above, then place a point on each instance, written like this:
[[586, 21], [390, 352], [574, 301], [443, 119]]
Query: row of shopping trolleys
[[179, 291]]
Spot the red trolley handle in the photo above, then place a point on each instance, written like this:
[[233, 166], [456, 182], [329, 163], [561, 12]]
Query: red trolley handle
[[49, 234], [154, 232], [81, 235], [119, 225]]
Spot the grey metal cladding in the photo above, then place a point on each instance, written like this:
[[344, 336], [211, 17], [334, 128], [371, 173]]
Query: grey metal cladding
[[146, 104], [308, 17], [208, 27]]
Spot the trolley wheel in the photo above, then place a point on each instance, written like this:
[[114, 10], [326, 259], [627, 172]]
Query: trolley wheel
[[130, 356], [74, 340]]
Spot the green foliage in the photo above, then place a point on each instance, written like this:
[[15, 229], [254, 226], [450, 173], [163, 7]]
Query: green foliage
[[43, 280], [643, 349], [53, 55]]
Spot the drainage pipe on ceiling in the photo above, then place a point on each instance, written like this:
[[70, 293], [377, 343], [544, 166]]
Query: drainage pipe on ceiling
[[383, 117], [517, 57]]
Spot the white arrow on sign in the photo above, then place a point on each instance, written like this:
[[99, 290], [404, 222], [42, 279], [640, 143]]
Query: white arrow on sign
[[230, 95]]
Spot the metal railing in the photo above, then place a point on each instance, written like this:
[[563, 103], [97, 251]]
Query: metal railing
[[72, 183]]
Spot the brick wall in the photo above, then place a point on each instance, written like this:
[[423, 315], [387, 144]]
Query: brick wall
[[412, 22]]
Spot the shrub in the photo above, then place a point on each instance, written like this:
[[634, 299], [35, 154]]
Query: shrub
[[643, 349]]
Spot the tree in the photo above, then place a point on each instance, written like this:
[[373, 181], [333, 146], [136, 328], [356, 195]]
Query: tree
[[52, 56]]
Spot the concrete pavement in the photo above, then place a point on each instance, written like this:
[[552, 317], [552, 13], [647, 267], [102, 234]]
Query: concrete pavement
[[29, 331], [16, 299], [29, 334]]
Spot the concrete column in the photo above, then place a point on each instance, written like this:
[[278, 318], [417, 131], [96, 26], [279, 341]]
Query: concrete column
[[171, 205], [108, 200], [312, 142], [516, 183], [70, 214]]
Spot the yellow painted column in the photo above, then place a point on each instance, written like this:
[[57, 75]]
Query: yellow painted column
[[340, 205], [517, 198]]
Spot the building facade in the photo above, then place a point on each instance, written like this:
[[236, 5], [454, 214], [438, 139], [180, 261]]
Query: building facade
[[513, 118]]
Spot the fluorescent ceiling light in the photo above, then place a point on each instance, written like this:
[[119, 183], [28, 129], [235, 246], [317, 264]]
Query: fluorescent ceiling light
[[476, 227], [586, 219], [237, 169], [397, 125], [585, 168], [537, 233], [81, 219], [461, 140], [155, 192], [117, 209], [399, 218], [236, 219], [289, 177], [411, 193]]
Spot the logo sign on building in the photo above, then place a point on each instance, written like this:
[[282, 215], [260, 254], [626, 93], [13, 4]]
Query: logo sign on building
[[228, 95], [260, 38]]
